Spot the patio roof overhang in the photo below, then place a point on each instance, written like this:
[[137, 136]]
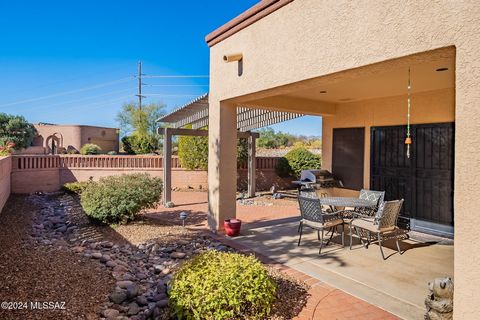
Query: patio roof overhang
[[195, 113]]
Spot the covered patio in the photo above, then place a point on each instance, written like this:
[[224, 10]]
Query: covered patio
[[397, 285]]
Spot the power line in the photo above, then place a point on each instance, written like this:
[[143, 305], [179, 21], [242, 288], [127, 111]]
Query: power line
[[170, 95], [173, 76], [81, 99], [100, 85], [99, 103], [176, 85]]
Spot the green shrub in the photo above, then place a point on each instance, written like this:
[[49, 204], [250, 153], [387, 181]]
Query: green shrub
[[193, 152], [117, 199], [140, 144], [296, 160], [76, 187], [90, 148], [218, 285], [283, 169]]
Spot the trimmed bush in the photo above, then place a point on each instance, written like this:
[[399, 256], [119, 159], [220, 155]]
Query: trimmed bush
[[76, 187], [140, 144], [90, 148], [219, 285], [283, 169], [296, 160], [117, 199]]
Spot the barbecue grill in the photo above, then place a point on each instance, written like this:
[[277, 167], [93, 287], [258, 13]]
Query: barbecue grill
[[317, 179]]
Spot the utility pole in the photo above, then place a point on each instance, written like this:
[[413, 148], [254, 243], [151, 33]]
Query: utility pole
[[139, 77]]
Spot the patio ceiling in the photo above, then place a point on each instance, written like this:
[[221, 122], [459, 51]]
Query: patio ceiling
[[195, 113]]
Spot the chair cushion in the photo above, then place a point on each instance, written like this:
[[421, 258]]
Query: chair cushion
[[369, 224], [318, 225]]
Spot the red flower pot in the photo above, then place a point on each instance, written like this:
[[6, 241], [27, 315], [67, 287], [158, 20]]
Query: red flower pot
[[232, 227]]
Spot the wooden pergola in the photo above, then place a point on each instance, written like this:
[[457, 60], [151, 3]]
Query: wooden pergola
[[195, 115]]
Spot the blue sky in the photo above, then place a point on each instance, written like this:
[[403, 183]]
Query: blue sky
[[73, 61]]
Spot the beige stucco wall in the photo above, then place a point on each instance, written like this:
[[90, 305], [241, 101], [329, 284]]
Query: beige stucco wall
[[312, 38], [78, 135], [5, 170], [427, 107]]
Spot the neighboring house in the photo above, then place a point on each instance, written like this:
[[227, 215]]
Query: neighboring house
[[348, 62], [53, 138]]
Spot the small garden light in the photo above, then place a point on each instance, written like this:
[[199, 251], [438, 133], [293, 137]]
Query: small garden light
[[183, 217]]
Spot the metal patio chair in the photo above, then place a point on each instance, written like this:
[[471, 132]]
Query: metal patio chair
[[365, 194], [314, 217], [382, 226]]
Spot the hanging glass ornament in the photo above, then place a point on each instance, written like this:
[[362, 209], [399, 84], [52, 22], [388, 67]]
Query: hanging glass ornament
[[408, 140]]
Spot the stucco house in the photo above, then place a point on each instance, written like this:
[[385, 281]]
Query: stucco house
[[350, 64], [53, 138]]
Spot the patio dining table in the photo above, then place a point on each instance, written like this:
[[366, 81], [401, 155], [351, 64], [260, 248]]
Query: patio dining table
[[347, 202]]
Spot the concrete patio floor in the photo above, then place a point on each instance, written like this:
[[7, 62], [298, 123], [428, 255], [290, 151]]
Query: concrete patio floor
[[398, 285]]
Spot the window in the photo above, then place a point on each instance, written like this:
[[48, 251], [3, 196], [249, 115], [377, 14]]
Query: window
[[347, 156]]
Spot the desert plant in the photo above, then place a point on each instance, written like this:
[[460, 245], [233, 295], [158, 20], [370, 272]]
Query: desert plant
[[7, 149], [117, 199], [243, 290], [76, 187], [298, 159], [90, 148]]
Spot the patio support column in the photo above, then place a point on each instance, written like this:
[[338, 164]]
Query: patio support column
[[222, 163], [252, 166], [167, 166]]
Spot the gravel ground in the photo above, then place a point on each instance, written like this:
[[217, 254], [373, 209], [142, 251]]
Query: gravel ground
[[29, 272], [50, 251]]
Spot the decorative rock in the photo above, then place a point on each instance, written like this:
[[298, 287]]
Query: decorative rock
[[62, 228], [104, 258], [133, 309], [118, 297], [124, 284], [158, 297], [166, 271], [158, 268], [132, 291], [111, 313], [162, 303], [140, 276], [111, 264], [178, 255], [142, 300], [78, 249], [96, 255]]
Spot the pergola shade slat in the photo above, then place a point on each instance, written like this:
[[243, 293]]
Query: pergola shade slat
[[195, 113]]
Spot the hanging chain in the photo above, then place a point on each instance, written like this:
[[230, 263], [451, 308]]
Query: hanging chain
[[408, 141]]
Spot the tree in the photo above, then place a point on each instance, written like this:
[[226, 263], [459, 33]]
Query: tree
[[131, 119], [16, 129], [271, 139], [139, 127]]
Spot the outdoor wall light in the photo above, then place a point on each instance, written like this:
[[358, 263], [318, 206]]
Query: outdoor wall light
[[233, 57], [441, 69]]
